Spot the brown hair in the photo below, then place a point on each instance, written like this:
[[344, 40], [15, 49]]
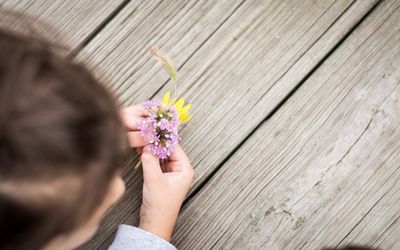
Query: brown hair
[[61, 142]]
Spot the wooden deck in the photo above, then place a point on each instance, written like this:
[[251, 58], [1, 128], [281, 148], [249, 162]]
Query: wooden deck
[[295, 138]]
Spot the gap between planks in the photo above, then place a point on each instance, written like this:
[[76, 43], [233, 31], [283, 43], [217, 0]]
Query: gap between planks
[[340, 35], [282, 102], [367, 127]]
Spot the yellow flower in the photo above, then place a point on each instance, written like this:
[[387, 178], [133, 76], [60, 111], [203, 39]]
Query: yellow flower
[[183, 111]]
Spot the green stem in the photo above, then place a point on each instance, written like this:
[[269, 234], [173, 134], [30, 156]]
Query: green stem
[[137, 165], [174, 94]]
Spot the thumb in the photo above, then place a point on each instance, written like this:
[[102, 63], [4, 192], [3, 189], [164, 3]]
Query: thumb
[[151, 165]]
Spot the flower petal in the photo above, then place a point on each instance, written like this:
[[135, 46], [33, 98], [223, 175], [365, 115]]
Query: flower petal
[[179, 104], [187, 107], [186, 120], [183, 116], [166, 98]]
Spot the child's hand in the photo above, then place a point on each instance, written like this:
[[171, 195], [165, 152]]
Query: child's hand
[[130, 117], [164, 190]]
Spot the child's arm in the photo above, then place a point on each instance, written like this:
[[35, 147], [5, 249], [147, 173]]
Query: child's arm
[[164, 189]]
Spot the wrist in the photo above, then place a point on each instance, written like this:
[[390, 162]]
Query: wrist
[[162, 230], [159, 222]]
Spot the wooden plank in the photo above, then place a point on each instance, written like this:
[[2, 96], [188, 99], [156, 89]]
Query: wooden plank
[[63, 22], [250, 63], [380, 227], [324, 166], [119, 54], [390, 238], [251, 69]]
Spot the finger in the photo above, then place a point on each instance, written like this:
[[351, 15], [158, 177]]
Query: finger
[[151, 165], [179, 160], [137, 110], [173, 167], [131, 121], [139, 150], [136, 140], [178, 155]]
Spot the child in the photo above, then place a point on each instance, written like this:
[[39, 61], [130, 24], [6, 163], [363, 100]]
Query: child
[[62, 140]]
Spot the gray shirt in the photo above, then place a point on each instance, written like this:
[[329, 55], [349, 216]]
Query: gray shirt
[[130, 238]]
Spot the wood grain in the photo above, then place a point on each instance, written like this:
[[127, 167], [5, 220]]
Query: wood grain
[[66, 23], [119, 52], [235, 78], [248, 71], [119, 55], [324, 170], [237, 61]]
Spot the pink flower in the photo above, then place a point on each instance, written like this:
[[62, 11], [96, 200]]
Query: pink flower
[[160, 129]]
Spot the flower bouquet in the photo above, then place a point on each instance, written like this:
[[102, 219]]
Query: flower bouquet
[[166, 116]]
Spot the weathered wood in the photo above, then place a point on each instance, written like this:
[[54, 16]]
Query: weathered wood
[[389, 239], [119, 55], [380, 227], [67, 23], [324, 170], [240, 73], [251, 64], [119, 52]]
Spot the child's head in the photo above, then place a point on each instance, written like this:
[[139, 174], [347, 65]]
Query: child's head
[[61, 144]]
